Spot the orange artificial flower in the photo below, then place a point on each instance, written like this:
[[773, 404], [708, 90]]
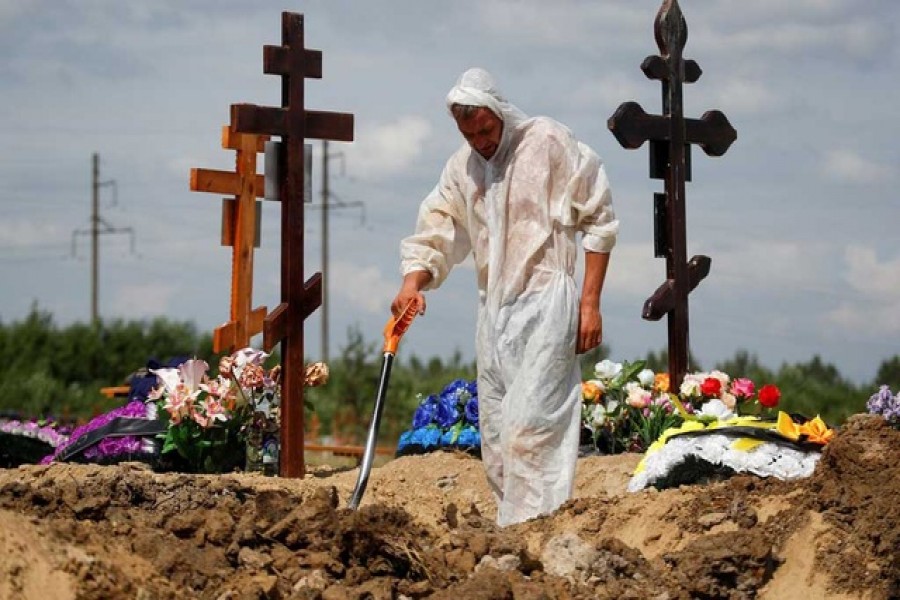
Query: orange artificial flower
[[661, 383], [816, 431], [591, 392]]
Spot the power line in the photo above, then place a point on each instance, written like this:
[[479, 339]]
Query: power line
[[95, 231]]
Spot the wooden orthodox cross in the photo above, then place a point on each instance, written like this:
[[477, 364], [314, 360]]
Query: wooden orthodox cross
[[670, 136], [240, 230], [299, 298]]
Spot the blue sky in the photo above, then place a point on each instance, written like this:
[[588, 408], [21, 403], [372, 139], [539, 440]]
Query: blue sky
[[799, 216]]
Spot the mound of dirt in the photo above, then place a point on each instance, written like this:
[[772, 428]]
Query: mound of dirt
[[426, 530]]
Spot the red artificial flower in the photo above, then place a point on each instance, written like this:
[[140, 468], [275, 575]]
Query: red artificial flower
[[769, 395], [711, 387]]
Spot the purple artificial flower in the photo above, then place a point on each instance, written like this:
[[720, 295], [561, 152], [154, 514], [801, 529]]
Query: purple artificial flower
[[134, 409], [880, 401], [472, 411]]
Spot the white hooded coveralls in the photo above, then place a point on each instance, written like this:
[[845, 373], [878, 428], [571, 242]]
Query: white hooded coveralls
[[519, 213]]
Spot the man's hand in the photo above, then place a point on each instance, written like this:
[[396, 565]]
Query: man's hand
[[590, 328], [590, 323], [411, 290]]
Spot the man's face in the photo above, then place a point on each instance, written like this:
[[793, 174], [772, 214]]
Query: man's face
[[482, 130]]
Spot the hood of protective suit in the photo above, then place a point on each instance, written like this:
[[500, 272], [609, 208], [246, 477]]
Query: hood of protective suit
[[476, 87]]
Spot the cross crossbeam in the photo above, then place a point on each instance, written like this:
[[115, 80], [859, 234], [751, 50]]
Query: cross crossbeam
[[240, 230], [299, 297], [671, 135]]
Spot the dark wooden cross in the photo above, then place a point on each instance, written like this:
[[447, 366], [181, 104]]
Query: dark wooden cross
[[670, 136], [240, 230], [299, 298]]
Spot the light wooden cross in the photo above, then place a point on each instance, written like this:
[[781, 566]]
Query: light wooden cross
[[240, 230], [670, 136], [299, 298]]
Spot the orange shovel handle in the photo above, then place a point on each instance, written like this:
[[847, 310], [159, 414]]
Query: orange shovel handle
[[397, 326]]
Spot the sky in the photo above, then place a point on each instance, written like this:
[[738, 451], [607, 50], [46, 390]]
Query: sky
[[799, 217]]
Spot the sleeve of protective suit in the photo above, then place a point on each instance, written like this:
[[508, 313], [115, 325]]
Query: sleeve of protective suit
[[591, 201], [441, 239]]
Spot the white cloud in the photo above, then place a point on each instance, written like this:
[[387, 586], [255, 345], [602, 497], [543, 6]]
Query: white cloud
[[363, 286], [746, 96], [388, 148], [859, 38], [562, 24], [22, 233], [869, 276], [633, 271], [608, 91], [137, 301], [877, 309], [844, 165], [769, 265]]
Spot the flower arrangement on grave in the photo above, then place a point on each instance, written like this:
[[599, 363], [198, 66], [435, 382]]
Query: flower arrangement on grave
[[444, 421], [24, 441], [885, 403], [712, 427], [181, 418], [123, 433], [229, 420], [626, 407]]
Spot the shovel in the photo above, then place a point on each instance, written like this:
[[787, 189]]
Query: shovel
[[393, 331]]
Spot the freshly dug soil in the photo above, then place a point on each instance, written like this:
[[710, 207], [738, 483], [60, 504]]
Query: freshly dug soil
[[426, 530]]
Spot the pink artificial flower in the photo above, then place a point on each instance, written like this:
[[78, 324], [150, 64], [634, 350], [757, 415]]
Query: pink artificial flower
[[742, 388]]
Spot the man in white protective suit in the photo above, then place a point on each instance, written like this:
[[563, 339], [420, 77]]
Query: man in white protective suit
[[515, 195]]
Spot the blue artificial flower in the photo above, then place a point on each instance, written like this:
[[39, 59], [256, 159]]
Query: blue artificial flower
[[424, 414], [447, 412], [447, 438], [469, 437], [426, 437], [472, 411], [472, 387], [454, 388], [404, 441]]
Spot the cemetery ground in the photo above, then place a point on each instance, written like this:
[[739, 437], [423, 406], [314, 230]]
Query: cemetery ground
[[426, 529]]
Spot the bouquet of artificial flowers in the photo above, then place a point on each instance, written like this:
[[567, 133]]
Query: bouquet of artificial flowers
[[448, 420]]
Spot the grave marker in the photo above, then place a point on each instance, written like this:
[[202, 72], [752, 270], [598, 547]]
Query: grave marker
[[670, 136]]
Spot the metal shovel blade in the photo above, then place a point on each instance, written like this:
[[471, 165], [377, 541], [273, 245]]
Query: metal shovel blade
[[369, 453]]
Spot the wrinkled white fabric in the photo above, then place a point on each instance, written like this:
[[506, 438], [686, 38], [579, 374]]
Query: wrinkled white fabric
[[766, 460], [519, 213]]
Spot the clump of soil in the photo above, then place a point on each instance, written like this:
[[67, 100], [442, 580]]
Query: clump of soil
[[426, 530]]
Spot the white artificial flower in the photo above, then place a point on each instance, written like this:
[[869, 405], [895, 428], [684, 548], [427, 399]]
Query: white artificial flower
[[729, 400], [607, 369], [723, 377], [600, 414], [638, 397], [715, 408], [646, 377], [690, 387]]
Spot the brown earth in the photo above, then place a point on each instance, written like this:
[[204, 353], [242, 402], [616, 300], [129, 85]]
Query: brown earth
[[425, 530]]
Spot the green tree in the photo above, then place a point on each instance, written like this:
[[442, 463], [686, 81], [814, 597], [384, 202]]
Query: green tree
[[888, 374]]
